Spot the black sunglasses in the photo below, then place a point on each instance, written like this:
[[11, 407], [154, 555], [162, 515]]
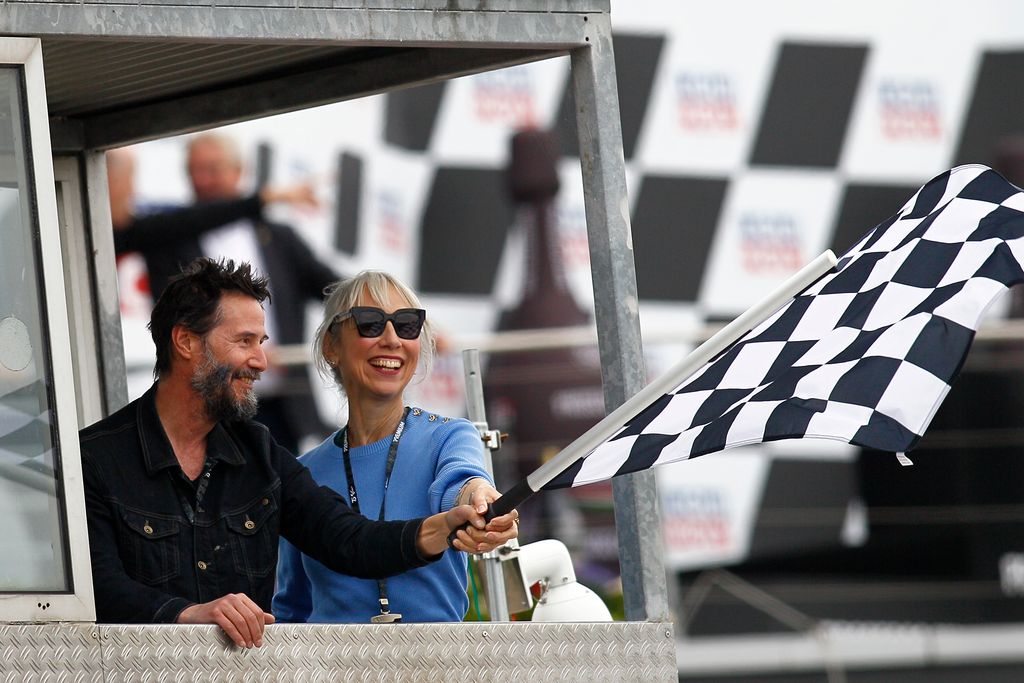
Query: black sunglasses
[[370, 321]]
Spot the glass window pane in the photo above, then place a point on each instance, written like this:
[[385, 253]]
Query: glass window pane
[[32, 546]]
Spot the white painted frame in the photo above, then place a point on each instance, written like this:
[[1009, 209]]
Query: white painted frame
[[78, 605], [82, 317]]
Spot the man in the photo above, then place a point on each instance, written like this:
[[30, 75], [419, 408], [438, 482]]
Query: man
[[214, 167], [186, 496], [168, 234]]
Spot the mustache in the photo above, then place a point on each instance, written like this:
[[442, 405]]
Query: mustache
[[247, 374]]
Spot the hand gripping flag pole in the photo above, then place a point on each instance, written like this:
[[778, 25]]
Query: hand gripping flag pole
[[614, 421]]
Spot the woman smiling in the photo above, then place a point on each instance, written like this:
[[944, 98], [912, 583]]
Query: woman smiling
[[391, 461]]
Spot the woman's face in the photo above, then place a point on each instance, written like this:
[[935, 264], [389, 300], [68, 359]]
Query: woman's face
[[375, 367]]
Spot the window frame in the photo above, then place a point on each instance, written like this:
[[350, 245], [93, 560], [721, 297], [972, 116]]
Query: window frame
[[77, 604]]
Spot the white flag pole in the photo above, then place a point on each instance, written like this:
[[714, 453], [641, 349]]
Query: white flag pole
[[617, 419]]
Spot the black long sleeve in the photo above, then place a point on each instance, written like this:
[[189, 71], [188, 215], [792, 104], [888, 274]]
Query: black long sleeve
[[169, 227], [317, 521]]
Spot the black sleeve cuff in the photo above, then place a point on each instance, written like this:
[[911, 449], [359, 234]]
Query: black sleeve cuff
[[171, 610]]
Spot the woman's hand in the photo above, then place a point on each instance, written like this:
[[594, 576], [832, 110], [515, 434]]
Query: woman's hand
[[479, 494]]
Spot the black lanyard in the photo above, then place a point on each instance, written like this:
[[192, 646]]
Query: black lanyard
[[353, 496]]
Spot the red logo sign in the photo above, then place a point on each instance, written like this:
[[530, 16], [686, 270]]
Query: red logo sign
[[505, 97], [706, 102], [770, 244], [909, 110]]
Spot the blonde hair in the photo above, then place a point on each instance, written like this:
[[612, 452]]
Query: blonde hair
[[345, 294]]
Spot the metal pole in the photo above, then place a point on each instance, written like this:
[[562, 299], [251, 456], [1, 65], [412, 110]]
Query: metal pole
[[602, 163], [497, 600], [107, 303]]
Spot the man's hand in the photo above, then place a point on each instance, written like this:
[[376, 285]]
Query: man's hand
[[478, 537], [498, 531], [302, 195], [236, 613]]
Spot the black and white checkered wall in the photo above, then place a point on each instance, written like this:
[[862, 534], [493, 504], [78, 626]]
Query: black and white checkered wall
[[739, 170], [751, 147]]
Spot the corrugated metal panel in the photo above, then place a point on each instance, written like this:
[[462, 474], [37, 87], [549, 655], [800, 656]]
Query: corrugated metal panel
[[86, 76], [627, 652], [50, 652]]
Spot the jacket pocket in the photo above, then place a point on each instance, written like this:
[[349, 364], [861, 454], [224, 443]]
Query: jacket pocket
[[253, 538], [151, 547]]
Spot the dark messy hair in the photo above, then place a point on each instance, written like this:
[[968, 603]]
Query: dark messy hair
[[192, 298]]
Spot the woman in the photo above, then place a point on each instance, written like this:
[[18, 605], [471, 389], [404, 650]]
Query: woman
[[390, 461]]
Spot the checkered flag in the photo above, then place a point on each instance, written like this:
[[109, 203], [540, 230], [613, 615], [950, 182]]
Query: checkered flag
[[865, 355]]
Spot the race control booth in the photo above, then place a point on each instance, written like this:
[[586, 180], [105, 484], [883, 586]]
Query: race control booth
[[80, 77]]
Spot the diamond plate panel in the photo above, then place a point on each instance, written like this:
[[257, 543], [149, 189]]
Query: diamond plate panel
[[407, 652], [49, 652]]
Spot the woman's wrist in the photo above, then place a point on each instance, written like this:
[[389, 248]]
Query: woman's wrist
[[465, 495]]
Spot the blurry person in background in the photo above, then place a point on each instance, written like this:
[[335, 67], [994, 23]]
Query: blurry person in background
[[152, 230], [390, 461], [296, 277], [144, 229], [134, 294], [121, 186]]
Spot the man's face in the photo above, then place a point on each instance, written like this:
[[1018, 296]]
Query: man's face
[[213, 173], [232, 360]]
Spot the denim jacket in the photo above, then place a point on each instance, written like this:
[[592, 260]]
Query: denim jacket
[[152, 557]]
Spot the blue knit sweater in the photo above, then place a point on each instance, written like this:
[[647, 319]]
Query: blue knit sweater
[[436, 456]]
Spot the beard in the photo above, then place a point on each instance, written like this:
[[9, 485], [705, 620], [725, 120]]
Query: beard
[[212, 380]]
